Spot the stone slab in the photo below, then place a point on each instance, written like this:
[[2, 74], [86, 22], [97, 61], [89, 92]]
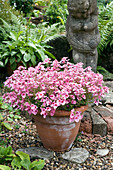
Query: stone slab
[[77, 155], [102, 152], [107, 115], [103, 111], [99, 125], [38, 152]]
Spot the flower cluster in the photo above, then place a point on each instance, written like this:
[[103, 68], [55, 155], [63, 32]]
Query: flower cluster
[[54, 85]]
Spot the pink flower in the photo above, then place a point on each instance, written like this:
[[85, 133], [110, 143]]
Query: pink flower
[[54, 85]]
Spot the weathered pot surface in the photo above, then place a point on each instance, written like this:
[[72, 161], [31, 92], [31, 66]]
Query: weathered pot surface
[[57, 133]]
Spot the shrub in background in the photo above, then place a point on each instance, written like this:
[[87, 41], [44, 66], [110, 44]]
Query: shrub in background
[[26, 6], [6, 10]]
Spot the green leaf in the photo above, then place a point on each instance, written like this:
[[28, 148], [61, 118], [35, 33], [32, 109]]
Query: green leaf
[[22, 50], [37, 165], [11, 115], [32, 45], [17, 117], [1, 64], [16, 162], [49, 54], [14, 35], [27, 57], [7, 125], [13, 66], [41, 53], [26, 163], [6, 60], [33, 60], [12, 60], [4, 106], [23, 155], [9, 119], [3, 167], [13, 53], [19, 33]]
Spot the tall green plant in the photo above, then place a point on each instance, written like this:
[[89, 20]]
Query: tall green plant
[[105, 27]]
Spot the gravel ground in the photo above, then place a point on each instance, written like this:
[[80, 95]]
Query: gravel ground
[[24, 134]]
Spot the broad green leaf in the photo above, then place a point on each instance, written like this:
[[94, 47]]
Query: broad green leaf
[[32, 45], [33, 60], [12, 60], [37, 164], [13, 53], [23, 155], [41, 53], [14, 35], [27, 57], [19, 33], [3, 167], [26, 164], [1, 64], [7, 125], [6, 61], [16, 162], [23, 50]]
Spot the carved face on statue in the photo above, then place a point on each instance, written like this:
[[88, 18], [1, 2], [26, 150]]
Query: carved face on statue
[[81, 8]]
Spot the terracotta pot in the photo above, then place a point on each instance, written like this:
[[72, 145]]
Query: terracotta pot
[[57, 133]]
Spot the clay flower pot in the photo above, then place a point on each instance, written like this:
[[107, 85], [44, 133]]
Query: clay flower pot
[[57, 133]]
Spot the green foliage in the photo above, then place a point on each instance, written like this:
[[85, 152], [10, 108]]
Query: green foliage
[[6, 10], [26, 6], [23, 160], [56, 11], [104, 2], [42, 2], [6, 154], [3, 167], [14, 115], [2, 122], [105, 27], [18, 161], [106, 74], [28, 45]]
